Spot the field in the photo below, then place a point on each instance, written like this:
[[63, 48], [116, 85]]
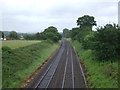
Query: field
[[99, 74], [19, 63], [13, 44]]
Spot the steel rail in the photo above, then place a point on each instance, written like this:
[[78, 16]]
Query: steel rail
[[42, 77], [81, 69], [69, 48], [54, 71], [47, 71], [65, 71]]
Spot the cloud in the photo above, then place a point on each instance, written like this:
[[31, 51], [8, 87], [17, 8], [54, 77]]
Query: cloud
[[36, 15]]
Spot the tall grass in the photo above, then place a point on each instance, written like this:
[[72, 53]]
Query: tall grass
[[19, 63], [99, 74]]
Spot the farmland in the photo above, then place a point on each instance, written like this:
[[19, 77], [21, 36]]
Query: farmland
[[13, 44]]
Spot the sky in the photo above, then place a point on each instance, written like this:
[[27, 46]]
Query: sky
[[31, 16]]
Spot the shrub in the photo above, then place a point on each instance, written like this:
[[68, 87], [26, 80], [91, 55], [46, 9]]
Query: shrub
[[106, 43]]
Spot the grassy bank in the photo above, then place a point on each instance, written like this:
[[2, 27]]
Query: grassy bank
[[99, 74], [19, 63], [13, 44]]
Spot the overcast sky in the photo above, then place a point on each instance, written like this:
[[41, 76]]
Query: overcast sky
[[36, 15]]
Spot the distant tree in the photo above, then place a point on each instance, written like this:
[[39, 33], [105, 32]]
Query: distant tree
[[43, 36], [26, 37], [73, 33], [30, 37], [79, 33], [1, 35], [66, 33], [51, 29], [37, 36], [86, 21], [52, 34], [13, 35]]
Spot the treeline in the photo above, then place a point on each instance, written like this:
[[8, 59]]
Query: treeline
[[50, 33], [104, 42]]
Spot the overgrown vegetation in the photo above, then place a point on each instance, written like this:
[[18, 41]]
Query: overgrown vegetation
[[99, 74], [19, 63], [105, 42]]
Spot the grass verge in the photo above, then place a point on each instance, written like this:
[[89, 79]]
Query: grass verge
[[19, 63], [98, 74]]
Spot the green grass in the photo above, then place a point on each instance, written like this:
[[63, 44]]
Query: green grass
[[19, 63], [99, 74], [13, 44]]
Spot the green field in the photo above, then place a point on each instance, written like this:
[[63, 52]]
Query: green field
[[13, 44], [19, 63], [99, 74]]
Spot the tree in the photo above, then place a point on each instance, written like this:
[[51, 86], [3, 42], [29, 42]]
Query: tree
[[37, 36], [27, 37], [86, 21], [52, 34], [30, 37], [13, 35], [106, 44], [88, 41], [79, 33], [1, 35], [51, 29], [66, 33], [74, 33]]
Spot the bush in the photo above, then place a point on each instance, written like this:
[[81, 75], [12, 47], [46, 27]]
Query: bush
[[88, 42], [106, 43]]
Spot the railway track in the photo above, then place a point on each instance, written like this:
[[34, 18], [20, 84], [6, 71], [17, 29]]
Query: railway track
[[47, 76], [64, 71], [68, 79]]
